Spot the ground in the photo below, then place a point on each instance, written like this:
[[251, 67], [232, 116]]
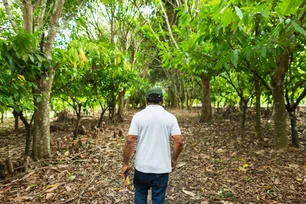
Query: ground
[[220, 163]]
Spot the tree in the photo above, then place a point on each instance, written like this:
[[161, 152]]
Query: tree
[[40, 19]]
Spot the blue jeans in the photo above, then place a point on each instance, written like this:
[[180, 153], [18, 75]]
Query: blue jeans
[[144, 181]]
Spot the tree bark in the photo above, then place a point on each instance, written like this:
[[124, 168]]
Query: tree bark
[[27, 15], [294, 130], [78, 109], [121, 105], [28, 127], [257, 109], [41, 129], [280, 115], [206, 110], [244, 110], [16, 119]]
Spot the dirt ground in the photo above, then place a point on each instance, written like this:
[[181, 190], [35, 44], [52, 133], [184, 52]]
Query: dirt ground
[[220, 163]]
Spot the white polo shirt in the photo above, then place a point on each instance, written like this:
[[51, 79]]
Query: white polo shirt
[[153, 127]]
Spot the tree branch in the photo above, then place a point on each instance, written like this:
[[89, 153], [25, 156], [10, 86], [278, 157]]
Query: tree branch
[[27, 15], [41, 15], [36, 4], [10, 15], [303, 94], [168, 25], [53, 25]]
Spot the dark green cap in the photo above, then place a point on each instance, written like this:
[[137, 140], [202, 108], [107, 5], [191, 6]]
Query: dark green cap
[[154, 93]]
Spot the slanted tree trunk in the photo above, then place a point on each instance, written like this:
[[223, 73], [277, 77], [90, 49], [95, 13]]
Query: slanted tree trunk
[[280, 114], [16, 119], [101, 117], [206, 110], [257, 109], [28, 127]]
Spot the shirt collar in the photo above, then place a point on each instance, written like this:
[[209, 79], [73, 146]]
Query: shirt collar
[[154, 106]]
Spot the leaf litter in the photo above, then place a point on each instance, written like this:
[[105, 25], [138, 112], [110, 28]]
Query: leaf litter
[[220, 163]]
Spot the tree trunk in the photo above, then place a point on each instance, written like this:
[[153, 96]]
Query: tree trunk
[[41, 129], [257, 109], [78, 109], [121, 105], [112, 106], [280, 114], [101, 117], [16, 117], [206, 111], [294, 130], [244, 109], [2, 117], [28, 127], [127, 104]]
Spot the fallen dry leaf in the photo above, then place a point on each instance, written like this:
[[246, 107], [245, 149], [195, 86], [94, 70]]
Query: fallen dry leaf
[[52, 187], [189, 193], [23, 198], [181, 164]]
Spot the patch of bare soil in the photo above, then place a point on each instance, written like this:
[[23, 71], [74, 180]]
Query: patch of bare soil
[[220, 163]]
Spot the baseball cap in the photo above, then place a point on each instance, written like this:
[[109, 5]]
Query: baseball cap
[[154, 93]]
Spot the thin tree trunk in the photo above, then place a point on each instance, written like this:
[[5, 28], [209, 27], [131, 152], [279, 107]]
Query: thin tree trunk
[[244, 110], [294, 130], [257, 109], [127, 104], [28, 127], [280, 114], [101, 117], [2, 117], [16, 117], [121, 105], [112, 106], [206, 110], [77, 108]]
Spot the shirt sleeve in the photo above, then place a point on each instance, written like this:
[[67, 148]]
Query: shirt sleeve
[[175, 129], [133, 130]]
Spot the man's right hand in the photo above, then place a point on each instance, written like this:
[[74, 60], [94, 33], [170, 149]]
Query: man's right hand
[[173, 164], [126, 170]]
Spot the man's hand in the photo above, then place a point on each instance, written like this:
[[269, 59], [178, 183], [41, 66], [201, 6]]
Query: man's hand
[[127, 152], [173, 164], [126, 170], [177, 149]]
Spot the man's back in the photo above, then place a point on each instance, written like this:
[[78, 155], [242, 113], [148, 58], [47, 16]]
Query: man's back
[[153, 126], [152, 129]]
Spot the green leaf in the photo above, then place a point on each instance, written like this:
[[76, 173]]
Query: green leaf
[[238, 12], [264, 13], [298, 28], [234, 58], [25, 57], [38, 99], [263, 51]]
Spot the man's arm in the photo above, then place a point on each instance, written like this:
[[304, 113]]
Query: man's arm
[[127, 153], [177, 149]]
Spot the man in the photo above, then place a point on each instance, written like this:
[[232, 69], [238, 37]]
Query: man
[[152, 128]]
